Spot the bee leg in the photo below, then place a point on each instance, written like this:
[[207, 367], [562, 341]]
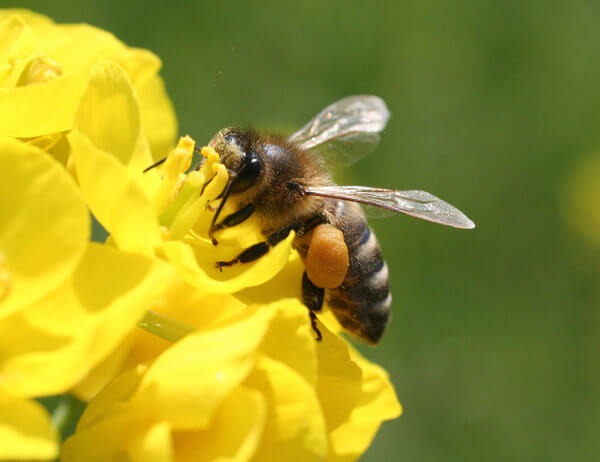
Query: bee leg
[[312, 223], [234, 219], [258, 250], [313, 324], [313, 298]]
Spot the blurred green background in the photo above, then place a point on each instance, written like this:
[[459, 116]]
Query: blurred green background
[[494, 345]]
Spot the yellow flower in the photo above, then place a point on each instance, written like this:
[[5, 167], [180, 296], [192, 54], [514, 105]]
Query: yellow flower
[[258, 387], [583, 189], [164, 213], [44, 67], [244, 382], [63, 308], [182, 302]]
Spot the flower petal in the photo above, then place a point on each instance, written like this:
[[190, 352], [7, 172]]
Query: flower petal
[[106, 441], [175, 389], [291, 327], [109, 116], [31, 18], [378, 402], [26, 431], [115, 198], [339, 379], [78, 325], [180, 301], [40, 109], [295, 428], [234, 434], [158, 116], [111, 397], [196, 264], [153, 445], [45, 224], [287, 283]]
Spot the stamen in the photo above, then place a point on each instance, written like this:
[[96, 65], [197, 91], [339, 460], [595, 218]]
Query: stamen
[[39, 70], [165, 327], [177, 163]]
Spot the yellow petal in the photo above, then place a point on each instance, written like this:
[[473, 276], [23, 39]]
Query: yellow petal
[[196, 264], [107, 441], [180, 301], [111, 397], [17, 47], [291, 327], [31, 18], [106, 370], [40, 109], [79, 324], [158, 117], [339, 379], [285, 284], [377, 402], [43, 109], [378, 398], [153, 445], [26, 431], [109, 427], [159, 121], [115, 198], [175, 390], [295, 428], [44, 224], [109, 116], [234, 434]]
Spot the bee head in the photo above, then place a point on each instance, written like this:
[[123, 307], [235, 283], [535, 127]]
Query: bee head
[[237, 153]]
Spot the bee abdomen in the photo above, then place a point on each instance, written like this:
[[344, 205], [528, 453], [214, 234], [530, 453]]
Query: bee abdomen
[[362, 303]]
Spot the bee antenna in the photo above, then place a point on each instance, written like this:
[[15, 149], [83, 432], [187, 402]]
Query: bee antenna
[[155, 164]]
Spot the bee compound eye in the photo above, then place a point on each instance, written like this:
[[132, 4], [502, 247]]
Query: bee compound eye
[[250, 173]]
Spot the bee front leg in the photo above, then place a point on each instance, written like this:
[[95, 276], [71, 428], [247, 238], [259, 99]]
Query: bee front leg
[[258, 250], [313, 298], [232, 220]]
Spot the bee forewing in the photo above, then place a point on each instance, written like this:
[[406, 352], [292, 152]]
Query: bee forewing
[[347, 129], [418, 204]]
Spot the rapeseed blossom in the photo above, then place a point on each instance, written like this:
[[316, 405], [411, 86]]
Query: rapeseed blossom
[[273, 393], [44, 67], [229, 367], [63, 308]]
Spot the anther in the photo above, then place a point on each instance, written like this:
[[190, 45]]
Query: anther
[[39, 70]]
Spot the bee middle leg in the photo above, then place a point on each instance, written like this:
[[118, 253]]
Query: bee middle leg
[[258, 250]]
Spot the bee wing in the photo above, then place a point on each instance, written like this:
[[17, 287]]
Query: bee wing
[[347, 130], [418, 204]]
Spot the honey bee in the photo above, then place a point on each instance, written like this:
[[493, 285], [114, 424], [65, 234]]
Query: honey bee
[[287, 184]]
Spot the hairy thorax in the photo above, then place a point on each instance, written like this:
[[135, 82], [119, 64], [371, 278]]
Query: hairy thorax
[[277, 203]]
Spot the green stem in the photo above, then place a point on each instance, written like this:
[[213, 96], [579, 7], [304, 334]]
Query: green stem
[[66, 414], [165, 327]]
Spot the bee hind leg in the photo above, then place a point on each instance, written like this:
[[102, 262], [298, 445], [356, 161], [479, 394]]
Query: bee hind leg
[[313, 298], [313, 323], [258, 250]]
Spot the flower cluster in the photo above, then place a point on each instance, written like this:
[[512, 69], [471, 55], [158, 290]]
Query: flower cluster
[[227, 366]]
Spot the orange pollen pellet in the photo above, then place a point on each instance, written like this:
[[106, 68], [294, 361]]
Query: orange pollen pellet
[[327, 259]]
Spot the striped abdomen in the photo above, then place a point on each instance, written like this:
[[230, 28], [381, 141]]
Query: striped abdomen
[[362, 303]]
